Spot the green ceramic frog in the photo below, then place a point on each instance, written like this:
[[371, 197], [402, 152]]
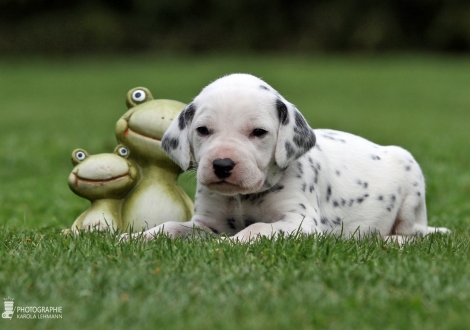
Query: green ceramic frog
[[157, 198], [104, 179]]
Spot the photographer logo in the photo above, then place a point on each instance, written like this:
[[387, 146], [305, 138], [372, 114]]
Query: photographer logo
[[30, 312], [9, 309]]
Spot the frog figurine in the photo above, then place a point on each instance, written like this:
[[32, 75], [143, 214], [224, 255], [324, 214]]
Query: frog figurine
[[157, 198], [104, 179]]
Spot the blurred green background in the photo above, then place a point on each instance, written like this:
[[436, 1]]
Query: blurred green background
[[90, 26]]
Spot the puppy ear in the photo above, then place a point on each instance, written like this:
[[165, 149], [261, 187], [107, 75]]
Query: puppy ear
[[295, 137], [175, 141]]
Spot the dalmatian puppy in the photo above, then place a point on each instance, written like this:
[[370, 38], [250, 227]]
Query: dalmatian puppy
[[261, 170]]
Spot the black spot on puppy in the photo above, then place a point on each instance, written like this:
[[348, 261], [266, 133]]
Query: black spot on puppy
[[264, 87], [181, 121], [289, 149], [189, 113], [315, 178], [337, 221], [300, 168], [328, 193], [304, 136], [282, 112], [300, 122], [186, 116], [362, 183], [361, 199], [169, 143], [391, 205], [231, 223]]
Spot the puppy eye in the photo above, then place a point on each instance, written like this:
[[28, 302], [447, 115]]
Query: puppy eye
[[203, 130], [258, 132]]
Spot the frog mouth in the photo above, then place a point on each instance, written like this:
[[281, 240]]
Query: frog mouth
[[98, 181], [129, 130]]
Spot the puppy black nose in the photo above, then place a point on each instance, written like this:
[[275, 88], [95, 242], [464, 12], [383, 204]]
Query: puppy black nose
[[223, 167]]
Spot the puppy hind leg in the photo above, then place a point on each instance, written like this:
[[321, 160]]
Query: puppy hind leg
[[411, 222], [411, 217]]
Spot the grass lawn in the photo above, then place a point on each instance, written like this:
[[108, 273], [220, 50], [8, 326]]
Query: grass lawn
[[49, 108]]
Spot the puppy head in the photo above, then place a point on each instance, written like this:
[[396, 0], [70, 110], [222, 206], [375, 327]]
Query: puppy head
[[240, 134]]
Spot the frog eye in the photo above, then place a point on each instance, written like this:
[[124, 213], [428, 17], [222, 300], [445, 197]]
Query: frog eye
[[123, 152], [80, 155], [139, 95]]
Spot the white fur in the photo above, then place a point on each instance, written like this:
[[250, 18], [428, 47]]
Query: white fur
[[280, 184]]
